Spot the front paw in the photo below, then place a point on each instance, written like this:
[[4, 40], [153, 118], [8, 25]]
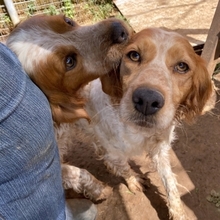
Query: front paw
[[104, 194], [179, 216], [81, 181], [177, 211], [137, 183]]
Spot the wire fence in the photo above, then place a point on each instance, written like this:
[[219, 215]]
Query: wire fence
[[81, 11]]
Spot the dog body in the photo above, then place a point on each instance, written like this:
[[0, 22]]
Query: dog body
[[162, 82], [61, 57]]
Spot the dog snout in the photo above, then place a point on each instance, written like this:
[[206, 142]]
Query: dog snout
[[147, 101], [119, 32]]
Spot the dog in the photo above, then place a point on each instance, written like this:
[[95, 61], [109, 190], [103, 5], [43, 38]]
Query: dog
[[162, 83], [61, 57]]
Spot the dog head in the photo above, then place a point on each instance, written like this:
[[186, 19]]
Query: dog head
[[61, 56], [161, 80]]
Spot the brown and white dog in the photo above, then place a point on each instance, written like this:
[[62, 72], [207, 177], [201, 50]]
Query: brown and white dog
[[61, 57], [162, 82]]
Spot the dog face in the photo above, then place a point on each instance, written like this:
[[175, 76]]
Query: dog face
[[61, 57], [162, 80]]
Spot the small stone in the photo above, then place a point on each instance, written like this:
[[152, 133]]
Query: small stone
[[215, 201], [209, 198], [217, 195], [217, 204], [213, 192]]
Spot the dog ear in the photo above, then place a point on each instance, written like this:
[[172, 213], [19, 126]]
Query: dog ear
[[62, 114], [199, 94], [112, 84], [67, 109]]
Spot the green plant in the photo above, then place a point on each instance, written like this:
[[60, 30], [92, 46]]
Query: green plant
[[6, 20], [99, 9], [217, 69], [214, 197], [52, 10], [6, 26], [31, 8], [68, 8]]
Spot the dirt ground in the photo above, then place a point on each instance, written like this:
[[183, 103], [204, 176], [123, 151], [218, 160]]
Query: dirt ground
[[195, 160], [190, 18]]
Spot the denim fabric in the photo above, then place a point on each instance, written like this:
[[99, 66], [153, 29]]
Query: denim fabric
[[30, 174]]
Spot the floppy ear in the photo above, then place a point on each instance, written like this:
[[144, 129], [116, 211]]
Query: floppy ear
[[112, 84], [65, 114], [67, 109], [199, 93]]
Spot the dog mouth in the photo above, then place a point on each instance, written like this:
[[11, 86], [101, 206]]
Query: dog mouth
[[143, 121]]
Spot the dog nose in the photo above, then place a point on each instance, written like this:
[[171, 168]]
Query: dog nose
[[147, 101], [119, 33]]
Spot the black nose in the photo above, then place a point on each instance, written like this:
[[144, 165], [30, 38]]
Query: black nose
[[119, 33], [147, 101]]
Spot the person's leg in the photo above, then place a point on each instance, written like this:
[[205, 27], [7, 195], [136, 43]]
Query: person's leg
[[30, 176]]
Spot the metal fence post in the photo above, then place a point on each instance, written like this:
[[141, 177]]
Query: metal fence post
[[12, 11]]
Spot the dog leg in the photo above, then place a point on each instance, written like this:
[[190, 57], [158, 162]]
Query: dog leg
[[118, 165], [162, 162], [81, 181]]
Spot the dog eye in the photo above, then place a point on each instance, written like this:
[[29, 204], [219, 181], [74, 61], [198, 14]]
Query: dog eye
[[181, 67], [134, 56], [69, 21], [70, 62]]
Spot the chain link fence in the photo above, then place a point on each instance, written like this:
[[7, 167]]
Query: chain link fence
[[81, 11]]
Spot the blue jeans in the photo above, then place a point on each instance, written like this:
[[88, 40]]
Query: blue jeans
[[30, 174]]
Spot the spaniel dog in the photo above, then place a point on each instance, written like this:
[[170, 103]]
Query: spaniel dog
[[61, 57], [162, 82]]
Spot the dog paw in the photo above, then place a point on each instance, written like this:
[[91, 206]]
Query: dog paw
[[105, 193], [83, 182], [137, 183], [177, 212], [179, 217]]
